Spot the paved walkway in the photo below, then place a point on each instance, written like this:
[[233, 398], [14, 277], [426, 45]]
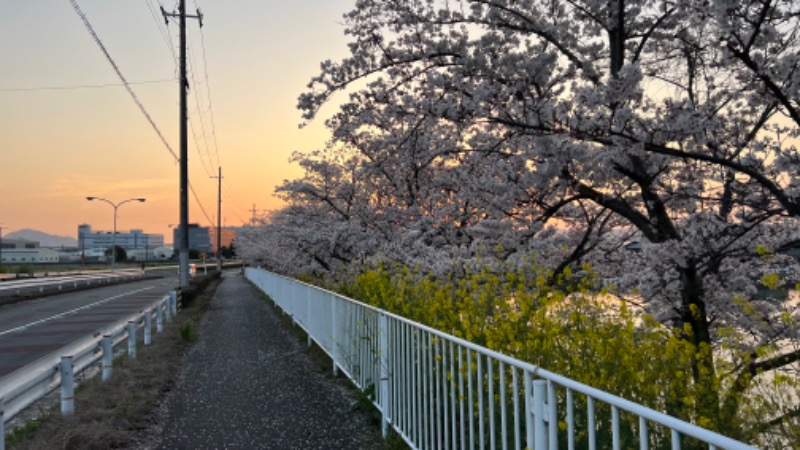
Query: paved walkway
[[248, 383]]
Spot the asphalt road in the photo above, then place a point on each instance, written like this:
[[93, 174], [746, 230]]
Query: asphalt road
[[32, 329]]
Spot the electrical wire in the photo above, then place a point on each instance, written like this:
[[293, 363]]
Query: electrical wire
[[200, 116], [125, 83], [122, 77], [85, 86], [208, 92]]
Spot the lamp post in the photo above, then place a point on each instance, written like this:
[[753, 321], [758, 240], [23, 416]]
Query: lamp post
[[114, 236]]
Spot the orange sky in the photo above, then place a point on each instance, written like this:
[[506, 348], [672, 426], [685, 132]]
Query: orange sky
[[60, 145]]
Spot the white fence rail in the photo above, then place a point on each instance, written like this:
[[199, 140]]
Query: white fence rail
[[23, 387], [441, 392]]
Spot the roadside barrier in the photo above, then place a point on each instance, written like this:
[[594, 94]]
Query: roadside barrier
[[439, 391], [22, 388]]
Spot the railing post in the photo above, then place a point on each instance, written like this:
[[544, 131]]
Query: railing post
[[539, 419], [308, 314], [173, 302], [2, 427], [148, 327], [528, 385], [159, 318], [132, 339], [67, 386], [334, 342], [383, 341], [108, 356], [168, 309]]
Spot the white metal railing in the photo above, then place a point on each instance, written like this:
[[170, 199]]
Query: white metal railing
[[23, 387], [438, 391]]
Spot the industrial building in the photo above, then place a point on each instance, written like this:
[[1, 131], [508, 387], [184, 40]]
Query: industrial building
[[199, 238], [133, 240], [20, 252]]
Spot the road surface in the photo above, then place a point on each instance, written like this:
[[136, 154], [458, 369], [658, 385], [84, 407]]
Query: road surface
[[32, 329]]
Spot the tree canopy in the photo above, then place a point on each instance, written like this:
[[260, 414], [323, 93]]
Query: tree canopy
[[569, 130]]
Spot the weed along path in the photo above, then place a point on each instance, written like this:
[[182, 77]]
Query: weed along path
[[249, 383]]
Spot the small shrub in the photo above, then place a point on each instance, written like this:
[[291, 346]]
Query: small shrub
[[187, 332]]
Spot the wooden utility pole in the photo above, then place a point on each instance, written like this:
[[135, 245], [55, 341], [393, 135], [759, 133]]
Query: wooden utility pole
[[183, 230], [219, 220]]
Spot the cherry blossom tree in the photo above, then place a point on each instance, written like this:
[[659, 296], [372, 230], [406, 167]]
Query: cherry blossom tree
[[564, 128]]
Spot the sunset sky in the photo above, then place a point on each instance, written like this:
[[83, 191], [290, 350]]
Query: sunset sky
[[64, 137]]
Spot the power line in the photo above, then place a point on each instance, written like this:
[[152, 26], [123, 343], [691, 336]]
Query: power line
[[134, 97], [162, 29], [84, 86], [208, 93], [122, 77], [202, 122]]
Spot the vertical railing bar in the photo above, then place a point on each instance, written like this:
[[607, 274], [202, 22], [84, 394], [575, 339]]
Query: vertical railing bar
[[395, 366], [461, 418], [444, 396], [411, 418], [590, 422], [503, 408], [481, 425], [424, 391], [471, 415], [439, 394], [416, 388], [552, 412], [676, 440], [334, 335], [644, 439], [570, 420], [615, 427], [492, 443], [453, 395], [539, 415], [528, 389], [515, 390]]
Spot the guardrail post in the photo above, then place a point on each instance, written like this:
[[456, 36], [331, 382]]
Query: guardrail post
[[132, 339], [168, 309], [67, 386], [539, 418], [2, 429], [383, 340], [173, 302], [108, 356], [159, 318], [148, 327]]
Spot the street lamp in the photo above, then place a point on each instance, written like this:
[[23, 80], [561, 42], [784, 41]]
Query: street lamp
[[114, 236]]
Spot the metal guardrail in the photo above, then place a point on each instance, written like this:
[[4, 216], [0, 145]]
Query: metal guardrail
[[23, 387], [438, 391], [54, 284]]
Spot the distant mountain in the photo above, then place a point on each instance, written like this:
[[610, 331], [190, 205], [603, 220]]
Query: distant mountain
[[44, 239]]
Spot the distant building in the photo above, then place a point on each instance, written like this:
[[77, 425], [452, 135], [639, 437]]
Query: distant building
[[133, 240], [199, 238], [22, 252], [227, 236]]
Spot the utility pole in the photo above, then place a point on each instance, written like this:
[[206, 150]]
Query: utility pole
[[255, 211], [183, 235], [219, 220]]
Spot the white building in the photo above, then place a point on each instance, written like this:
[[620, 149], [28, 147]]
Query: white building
[[26, 252], [134, 240]]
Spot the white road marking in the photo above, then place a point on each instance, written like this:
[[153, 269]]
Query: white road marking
[[72, 311]]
